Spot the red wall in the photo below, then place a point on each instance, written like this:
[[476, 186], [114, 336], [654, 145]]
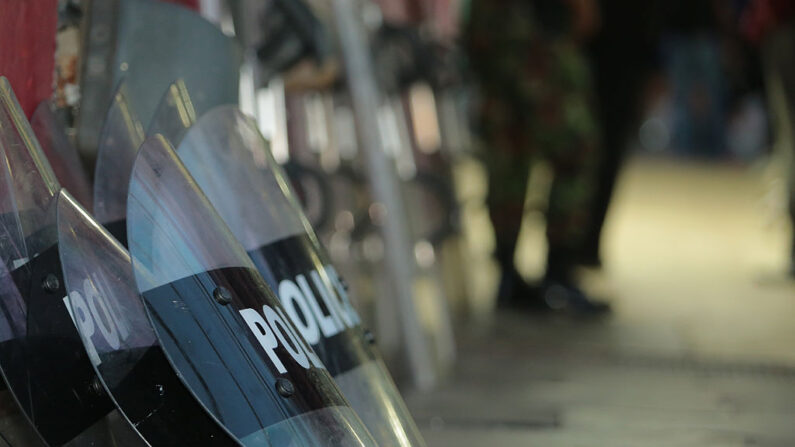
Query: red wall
[[27, 48]]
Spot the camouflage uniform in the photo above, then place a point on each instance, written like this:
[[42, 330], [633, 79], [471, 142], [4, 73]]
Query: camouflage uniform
[[534, 86]]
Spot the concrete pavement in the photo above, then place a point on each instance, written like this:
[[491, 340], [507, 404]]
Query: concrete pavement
[[700, 350]]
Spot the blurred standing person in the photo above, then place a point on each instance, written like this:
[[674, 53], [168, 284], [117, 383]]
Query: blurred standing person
[[771, 24], [695, 67], [622, 54], [534, 103]]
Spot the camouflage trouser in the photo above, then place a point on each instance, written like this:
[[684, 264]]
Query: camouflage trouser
[[545, 115]]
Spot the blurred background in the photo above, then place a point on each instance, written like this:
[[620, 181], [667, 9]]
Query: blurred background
[[567, 222]]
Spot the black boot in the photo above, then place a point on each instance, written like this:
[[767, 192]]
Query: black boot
[[560, 292], [516, 293], [567, 297]]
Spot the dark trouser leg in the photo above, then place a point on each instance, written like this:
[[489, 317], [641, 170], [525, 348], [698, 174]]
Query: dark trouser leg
[[616, 90], [507, 160], [506, 218], [568, 214], [567, 217], [569, 138]]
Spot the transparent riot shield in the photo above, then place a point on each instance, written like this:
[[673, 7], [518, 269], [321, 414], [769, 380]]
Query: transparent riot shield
[[149, 44], [15, 427], [42, 358], [158, 43], [119, 338], [61, 154], [121, 136], [232, 164], [218, 322], [174, 115]]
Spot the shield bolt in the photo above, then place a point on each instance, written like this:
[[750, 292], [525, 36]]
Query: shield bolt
[[369, 337], [51, 284], [222, 295], [96, 386], [160, 389], [284, 387]]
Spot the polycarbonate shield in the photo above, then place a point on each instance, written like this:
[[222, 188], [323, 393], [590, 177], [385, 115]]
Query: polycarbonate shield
[[15, 429], [119, 338], [174, 115], [158, 43], [219, 323], [121, 136], [232, 164], [42, 358], [62, 156]]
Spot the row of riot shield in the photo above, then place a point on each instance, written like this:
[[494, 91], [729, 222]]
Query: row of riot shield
[[180, 296], [404, 211], [375, 186], [328, 171], [187, 301], [421, 124]]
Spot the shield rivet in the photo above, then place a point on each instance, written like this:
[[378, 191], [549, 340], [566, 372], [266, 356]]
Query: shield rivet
[[284, 387], [222, 295], [96, 387], [369, 337], [51, 284]]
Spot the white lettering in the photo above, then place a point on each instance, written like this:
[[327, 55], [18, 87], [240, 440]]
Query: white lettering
[[332, 303], [102, 316], [279, 326], [329, 325], [310, 353], [343, 294], [112, 306], [83, 322], [264, 335], [294, 301]]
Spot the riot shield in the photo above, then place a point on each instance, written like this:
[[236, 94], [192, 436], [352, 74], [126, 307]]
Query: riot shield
[[217, 321], [159, 42], [61, 154], [121, 136], [232, 164], [149, 44], [119, 338], [15, 428], [174, 115], [42, 358]]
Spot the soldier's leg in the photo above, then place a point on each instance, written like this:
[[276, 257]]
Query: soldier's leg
[[568, 212], [617, 89], [506, 155], [567, 134], [569, 138]]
